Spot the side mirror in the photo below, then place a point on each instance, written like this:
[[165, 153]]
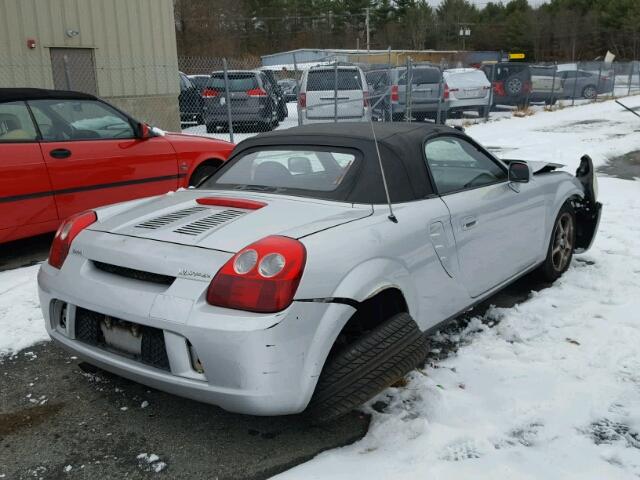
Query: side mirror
[[144, 131], [519, 172]]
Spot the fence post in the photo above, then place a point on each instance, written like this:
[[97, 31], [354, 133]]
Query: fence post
[[492, 81], [67, 76], [297, 77], [407, 93], [390, 85], [599, 80], [227, 98], [335, 91], [553, 87], [440, 95], [613, 81], [575, 85]]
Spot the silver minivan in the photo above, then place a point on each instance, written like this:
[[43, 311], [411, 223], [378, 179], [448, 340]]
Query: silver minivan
[[394, 101], [330, 93]]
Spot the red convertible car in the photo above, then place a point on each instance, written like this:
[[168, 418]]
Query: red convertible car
[[64, 152]]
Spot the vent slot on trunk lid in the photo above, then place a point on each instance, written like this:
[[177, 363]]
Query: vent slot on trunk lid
[[209, 223], [165, 220]]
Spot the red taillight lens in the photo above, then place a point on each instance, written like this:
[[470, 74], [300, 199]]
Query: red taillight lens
[[498, 89], [210, 92], [365, 99], [256, 92], [262, 277], [302, 100], [68, 230], [446, 92], [395, 96]]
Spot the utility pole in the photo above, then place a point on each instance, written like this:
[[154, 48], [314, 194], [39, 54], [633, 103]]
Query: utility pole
[[367, 24]]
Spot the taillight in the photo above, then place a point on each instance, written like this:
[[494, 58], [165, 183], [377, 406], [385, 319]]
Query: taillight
[[210, 92], [498, 89], [446, 92], [68, 230], [527, 88], [262, 277], [302, 100], [395, 96], [256, 92], [365, 99]]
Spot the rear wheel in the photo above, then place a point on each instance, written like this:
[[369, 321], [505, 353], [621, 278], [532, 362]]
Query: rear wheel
[[360, 370], [589, 92], [561, 245]]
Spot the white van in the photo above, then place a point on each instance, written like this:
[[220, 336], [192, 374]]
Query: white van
[[466, 89], [330, 93]]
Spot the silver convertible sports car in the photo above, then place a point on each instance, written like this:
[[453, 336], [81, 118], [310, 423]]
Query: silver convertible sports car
[[307, 273]]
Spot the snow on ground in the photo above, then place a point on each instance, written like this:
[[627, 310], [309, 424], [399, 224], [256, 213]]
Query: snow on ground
[[603, 130], [552, 390], [21, 323]]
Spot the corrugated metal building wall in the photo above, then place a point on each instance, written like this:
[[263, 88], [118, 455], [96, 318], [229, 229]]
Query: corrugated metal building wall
[[129, 44]]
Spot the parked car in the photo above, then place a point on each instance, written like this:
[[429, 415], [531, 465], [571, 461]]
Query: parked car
[[253, 101], [283, 111], [64, 152], [190, 102], [289, 88], [580, 83], [546, 85], [330, 94], [286, 281], [199, 81], [390, 93], [511, 82], [466, 89]]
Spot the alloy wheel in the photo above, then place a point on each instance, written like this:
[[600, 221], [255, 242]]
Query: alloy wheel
[[562, 242]]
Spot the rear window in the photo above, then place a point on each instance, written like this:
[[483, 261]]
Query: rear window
[[420, 76], [319, 80], [292, 170], [200, 81], [237, 82]]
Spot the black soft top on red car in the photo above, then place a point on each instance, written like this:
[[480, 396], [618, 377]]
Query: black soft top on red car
[[22, 94]]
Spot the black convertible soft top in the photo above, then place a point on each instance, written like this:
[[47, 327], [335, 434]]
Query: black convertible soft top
[[401, 148], [22, 94]]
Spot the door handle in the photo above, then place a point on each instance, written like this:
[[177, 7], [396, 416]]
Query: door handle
[[60, 153], [469, 222]]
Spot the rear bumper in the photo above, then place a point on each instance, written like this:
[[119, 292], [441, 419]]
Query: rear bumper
[[258, 364], [360, 118]]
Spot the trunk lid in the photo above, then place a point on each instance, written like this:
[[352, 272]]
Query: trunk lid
[[179, 219]]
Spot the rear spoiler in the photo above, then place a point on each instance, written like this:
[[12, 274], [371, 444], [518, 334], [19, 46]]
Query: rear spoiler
[[537, 167]]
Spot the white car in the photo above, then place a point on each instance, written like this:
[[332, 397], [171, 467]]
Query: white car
[[334, 93], [466, 89], [286, 281]]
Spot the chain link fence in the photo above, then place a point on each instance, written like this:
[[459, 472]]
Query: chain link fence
[[235, 98]]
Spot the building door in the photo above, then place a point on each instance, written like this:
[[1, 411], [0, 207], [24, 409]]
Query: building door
[[74, 69]]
